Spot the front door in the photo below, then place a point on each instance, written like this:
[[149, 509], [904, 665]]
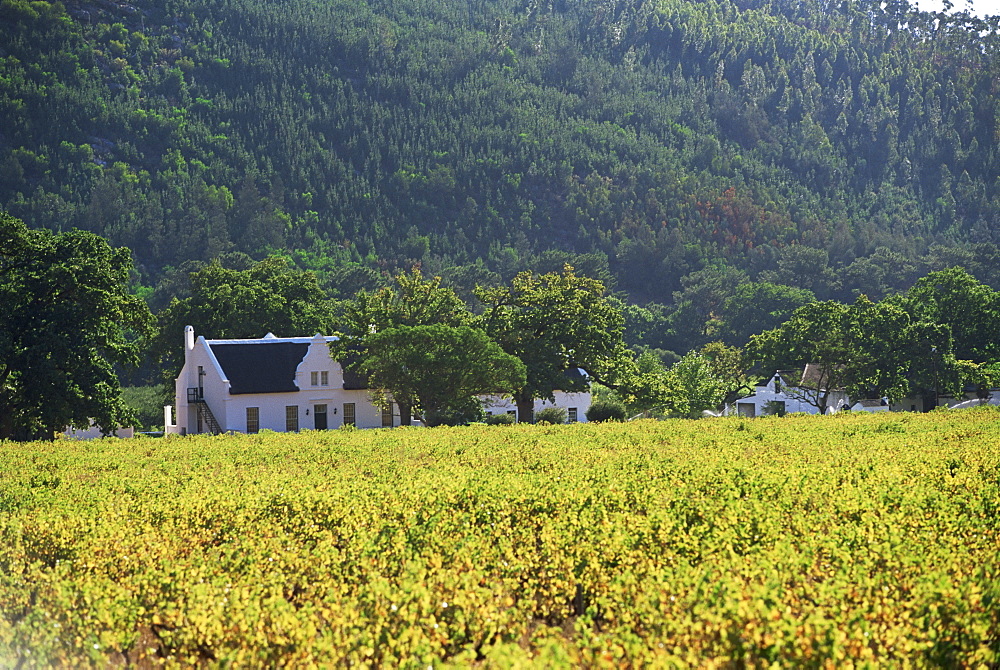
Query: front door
[[319, 417]]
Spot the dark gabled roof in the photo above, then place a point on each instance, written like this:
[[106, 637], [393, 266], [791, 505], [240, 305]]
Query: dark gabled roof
[[262, 367]]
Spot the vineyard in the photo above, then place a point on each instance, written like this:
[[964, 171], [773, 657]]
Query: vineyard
[[802, 541]]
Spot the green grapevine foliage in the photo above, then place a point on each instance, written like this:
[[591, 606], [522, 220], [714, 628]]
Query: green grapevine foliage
[[797, 541]]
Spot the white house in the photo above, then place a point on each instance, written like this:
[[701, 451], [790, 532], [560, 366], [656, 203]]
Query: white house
[[991, 398], [787, 391], [272, 383], [281, 384], [575, 404]]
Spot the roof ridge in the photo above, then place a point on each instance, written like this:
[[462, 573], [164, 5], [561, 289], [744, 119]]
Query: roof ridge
[[304, 339]]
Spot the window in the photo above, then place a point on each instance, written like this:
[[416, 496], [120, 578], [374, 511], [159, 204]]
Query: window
[[324, 378], [314, 378], [571, 416], [349, 416], [387, 416], [292, 418], [253, 419]]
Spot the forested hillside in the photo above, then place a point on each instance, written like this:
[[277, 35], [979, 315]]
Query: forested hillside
[[832, 147]]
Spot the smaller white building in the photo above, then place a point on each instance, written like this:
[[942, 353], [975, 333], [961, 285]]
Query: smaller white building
[[786, 391], [992, 398], [576, 403], [971, 397]]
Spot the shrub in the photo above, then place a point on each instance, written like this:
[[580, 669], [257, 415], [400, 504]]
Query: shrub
[[774, 408], [551, 415], [456, 414], [500, 420], [606, 410]]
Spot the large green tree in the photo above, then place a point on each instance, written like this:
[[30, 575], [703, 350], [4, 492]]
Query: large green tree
[[554, 323], [694, 386], [867, 349], [954, 298], [439, 370], [66, 320], [702, 380], [758, 306], [820, 334], [408, 301], [901, 354]]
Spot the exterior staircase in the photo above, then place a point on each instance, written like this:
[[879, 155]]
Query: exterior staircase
[[196, 397]]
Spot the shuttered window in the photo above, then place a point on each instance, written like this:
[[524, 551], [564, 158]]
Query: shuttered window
[[253, 419]]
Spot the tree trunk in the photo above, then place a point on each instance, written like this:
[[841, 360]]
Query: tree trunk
[[6, 425], [525, 408], [405, 414]]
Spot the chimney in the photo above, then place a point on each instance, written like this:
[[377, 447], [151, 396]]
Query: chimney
[[189, 338]]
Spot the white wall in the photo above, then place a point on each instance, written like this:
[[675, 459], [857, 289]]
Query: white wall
[[94, 431], [872, 409], [216, 388], [581, 401], [271, 409]]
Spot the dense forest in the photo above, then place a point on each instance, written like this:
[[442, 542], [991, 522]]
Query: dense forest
[[692, 154]]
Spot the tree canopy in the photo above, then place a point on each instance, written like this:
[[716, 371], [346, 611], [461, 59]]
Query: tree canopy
[[67, 321], [899, 346], [221, 302], [970, 309], [440, 370], [841, 148], [555, 323], [409, 301]]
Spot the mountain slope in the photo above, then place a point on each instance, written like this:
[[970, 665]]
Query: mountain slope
[[658, 137]]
